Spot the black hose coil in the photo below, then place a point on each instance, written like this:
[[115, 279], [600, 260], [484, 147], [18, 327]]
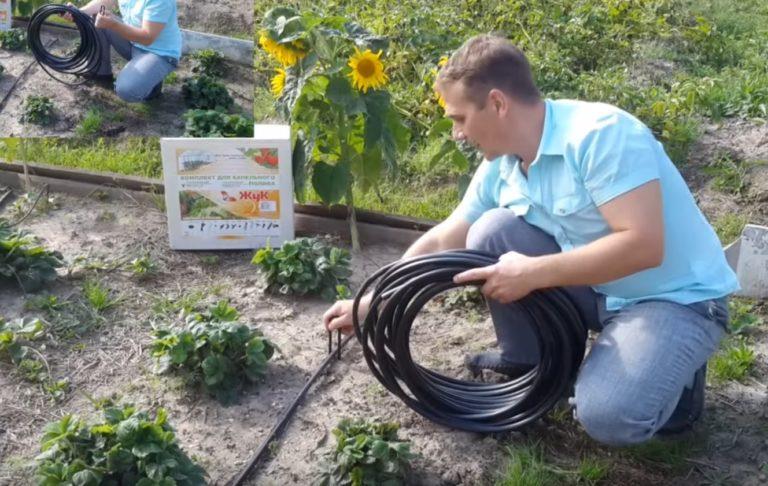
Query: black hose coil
[[402, 288], [85, 60]]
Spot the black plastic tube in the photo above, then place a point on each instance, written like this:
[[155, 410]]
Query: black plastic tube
[[401, 289], [84, 61]]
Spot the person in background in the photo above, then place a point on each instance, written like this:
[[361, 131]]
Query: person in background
[[147, 35]]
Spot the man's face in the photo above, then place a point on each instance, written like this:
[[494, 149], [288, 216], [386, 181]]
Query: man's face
[[481, 127]]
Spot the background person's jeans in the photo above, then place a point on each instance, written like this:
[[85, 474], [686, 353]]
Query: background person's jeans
[[144, 70], [633, 377]]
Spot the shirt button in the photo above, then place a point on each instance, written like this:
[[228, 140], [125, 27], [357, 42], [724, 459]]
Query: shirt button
[[561, 211]]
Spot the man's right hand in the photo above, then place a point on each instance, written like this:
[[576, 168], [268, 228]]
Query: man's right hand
[[339, 316], [68, 16]]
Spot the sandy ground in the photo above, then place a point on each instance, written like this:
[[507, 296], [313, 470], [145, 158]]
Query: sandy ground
[[223, 17], [162, 116]]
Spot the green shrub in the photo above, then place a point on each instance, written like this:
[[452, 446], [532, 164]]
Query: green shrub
[[13, 40], [215, 349], [203, 92], [38, 110], [367, 454], [213, 123], [24, 262], [127, 447], [305, 266], [209, 63]]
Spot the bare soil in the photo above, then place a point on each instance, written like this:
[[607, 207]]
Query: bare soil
[[223, 17], [728, 446]]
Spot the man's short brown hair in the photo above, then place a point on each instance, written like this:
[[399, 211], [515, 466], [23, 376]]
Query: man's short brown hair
[[487, 61]]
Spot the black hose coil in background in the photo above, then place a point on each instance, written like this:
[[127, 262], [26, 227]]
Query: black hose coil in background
[[402, 288], [85, 60]]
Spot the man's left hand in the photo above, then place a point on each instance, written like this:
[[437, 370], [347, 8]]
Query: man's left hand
[[512, 278], [105, 21]]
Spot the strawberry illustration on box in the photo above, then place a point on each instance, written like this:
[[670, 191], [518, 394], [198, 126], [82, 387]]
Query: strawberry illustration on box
[[265, 157]]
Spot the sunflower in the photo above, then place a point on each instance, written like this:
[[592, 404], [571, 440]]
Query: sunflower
[[367, 70], [278, 83], [442, 62], [286, 54], [440, 99]]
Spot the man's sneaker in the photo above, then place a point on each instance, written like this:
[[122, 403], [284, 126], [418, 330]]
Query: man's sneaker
[[104, 80], [492, 361], [156, 91], [690, 406]]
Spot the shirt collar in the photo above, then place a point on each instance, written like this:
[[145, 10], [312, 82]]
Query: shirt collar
[[552, 137]]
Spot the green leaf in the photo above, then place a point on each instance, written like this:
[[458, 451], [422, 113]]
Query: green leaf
[[340, 92], [368, 168], [86, 477], [445, 149], [146, 448], [331, 181], [442, 126], [214, 369]]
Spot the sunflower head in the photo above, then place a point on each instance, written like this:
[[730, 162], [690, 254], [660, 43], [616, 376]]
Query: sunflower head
[[278, 83], [440, 99], [286, 54], [367, 71]]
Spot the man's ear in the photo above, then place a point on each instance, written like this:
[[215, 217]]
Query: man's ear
[[498, 101]]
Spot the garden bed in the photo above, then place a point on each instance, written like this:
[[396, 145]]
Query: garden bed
[[75, 105], [112, 359]]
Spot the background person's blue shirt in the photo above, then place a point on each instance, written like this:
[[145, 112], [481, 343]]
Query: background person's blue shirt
[[168, 43], [589, 154]]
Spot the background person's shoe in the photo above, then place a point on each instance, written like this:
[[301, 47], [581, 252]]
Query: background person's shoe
[[689, 407], [492, 361], [104, 80], [156, 92]]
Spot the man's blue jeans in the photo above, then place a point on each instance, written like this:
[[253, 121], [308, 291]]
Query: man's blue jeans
[[646, 353], [144, 70]]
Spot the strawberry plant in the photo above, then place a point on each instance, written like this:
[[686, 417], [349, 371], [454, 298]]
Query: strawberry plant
[[215, 349], [15, 339], [142, 267], [367, 454], [13, 40], [304, 266], [38, 110], [203, 92], [209, 63], [127, 447], [16, 346], [24, 262], [213, 123]]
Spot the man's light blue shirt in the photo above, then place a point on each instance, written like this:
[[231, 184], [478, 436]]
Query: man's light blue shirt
[[135, 12], [589, 154]]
